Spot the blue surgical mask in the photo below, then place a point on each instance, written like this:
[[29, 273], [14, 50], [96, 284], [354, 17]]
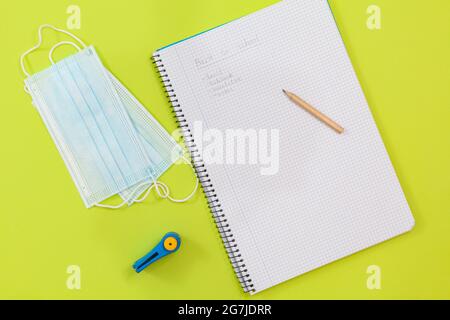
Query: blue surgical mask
[[161, 148], [109, 142]]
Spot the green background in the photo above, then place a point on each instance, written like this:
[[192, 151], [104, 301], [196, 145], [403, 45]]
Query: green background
[[404, 69]]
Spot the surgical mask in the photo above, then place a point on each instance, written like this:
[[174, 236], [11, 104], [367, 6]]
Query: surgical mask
[[108, 140]]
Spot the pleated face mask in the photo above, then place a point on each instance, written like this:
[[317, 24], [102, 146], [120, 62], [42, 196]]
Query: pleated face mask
[[107, 139]]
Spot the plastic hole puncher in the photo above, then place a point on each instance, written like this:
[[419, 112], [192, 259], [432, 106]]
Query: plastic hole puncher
[[170, 243]]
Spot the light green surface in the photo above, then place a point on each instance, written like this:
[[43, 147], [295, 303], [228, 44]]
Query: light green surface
[[405, 72]]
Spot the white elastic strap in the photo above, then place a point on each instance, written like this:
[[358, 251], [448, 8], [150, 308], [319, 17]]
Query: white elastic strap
[[38, 45], [161, 188], [106, 206], [62, 43]]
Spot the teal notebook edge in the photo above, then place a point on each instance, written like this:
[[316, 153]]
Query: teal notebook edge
[[195, 35], [223, 24]]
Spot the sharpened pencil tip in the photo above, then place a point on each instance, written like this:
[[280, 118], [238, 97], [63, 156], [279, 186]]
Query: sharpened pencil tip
[[285, 91]]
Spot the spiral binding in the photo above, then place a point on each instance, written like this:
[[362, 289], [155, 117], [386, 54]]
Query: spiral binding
[[210, 194]]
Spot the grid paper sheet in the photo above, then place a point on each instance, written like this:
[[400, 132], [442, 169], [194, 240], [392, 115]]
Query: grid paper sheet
[[333, 195]]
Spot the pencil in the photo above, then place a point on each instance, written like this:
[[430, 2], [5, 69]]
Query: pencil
[[313, 111]]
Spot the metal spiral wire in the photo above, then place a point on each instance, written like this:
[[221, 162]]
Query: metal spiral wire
[[214, 205]]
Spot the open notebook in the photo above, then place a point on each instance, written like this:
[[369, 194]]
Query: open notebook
[[327, 196]]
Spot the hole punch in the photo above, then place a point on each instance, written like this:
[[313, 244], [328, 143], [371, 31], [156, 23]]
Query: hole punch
[[169, 244]]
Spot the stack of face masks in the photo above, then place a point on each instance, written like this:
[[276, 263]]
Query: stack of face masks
[[109, 142]]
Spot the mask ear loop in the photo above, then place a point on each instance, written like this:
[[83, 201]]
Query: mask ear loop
[[38, 45], [62, 43], [161, 188], [165, 194]]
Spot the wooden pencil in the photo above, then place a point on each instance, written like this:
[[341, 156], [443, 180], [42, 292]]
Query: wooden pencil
[[313, 111]]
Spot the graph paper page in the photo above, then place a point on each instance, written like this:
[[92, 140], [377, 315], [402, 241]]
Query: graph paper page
[[331, 195]]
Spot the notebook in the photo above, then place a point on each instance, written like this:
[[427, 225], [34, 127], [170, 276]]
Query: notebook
[[322, 196]]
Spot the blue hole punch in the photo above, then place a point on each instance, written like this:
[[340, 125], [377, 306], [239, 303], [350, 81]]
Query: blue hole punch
[[170, 243]]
